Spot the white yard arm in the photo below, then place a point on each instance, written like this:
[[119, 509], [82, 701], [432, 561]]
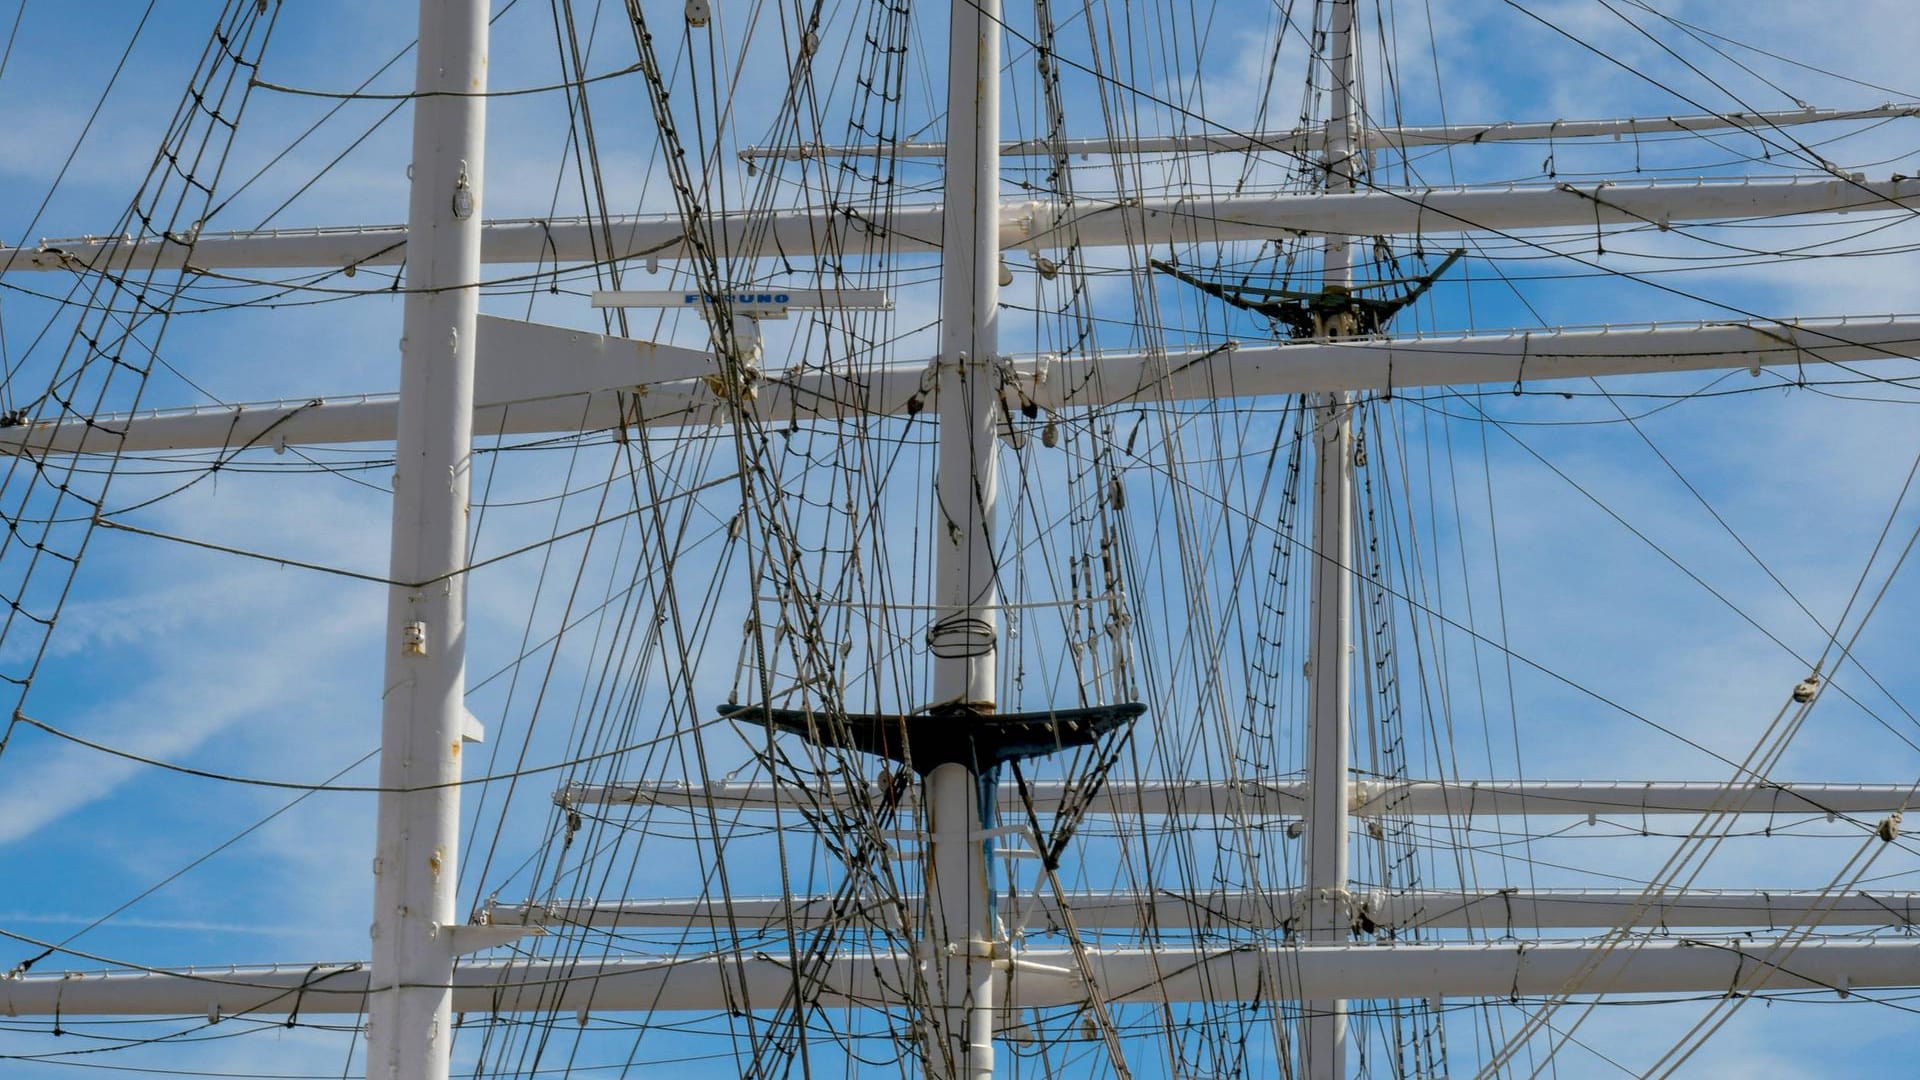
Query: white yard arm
[[1417, 798], [525, 374], [1302, 140], [1429, 798], [1033, 225], [1118, 797], [585, 382], [1497, 910], [1040, 978]]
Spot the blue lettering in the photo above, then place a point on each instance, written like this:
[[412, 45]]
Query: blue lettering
[[736, 298]]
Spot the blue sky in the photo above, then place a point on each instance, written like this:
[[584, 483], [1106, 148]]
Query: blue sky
[[254, 669]]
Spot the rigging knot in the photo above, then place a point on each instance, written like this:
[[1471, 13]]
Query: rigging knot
[[960, 636]]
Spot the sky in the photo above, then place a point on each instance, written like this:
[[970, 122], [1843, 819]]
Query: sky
[[1614, 550]]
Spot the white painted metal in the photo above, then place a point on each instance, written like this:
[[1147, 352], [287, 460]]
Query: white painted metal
[[1621, 799], [957, 930], [1301, 140], [409, 1024], [1489, 910], [1118, 796], [1028, 224], [1329, 914], [1040, 978], [1483, 798], [750, 914], [517, 361], [1525, 357]]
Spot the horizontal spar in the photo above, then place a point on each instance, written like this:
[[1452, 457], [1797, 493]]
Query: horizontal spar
[[1116, 797], [1513, 358], [549, 377], [1385, 365], [1416, 798], [1499, 798], [1036, 225], [1038, 979], [1494, 910], [1298, 140]]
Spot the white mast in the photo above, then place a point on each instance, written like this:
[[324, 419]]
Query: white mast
[[1329, 666], [409, 1029], [959, 933]]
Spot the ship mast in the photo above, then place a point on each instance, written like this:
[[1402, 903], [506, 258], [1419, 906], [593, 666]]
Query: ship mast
[[423, 716], [958, 932], [1329, 656]]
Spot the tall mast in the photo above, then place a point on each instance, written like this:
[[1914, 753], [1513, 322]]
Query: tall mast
[[958, 941], [409, 1029], [1329, 661]]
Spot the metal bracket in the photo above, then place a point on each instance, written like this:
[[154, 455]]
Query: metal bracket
[[468, 938]]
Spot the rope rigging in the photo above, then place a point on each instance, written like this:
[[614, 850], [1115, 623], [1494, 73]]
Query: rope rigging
[[1149, 551]]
